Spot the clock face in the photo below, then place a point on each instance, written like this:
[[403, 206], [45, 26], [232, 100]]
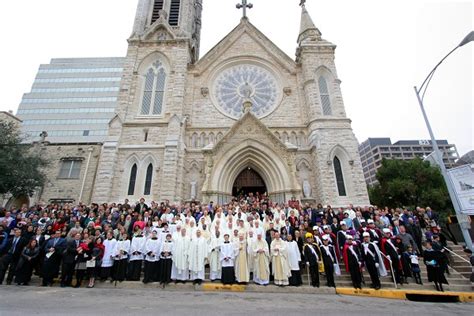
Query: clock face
[[246, 81]]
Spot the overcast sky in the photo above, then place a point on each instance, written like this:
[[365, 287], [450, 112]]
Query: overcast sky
[[385, 47]]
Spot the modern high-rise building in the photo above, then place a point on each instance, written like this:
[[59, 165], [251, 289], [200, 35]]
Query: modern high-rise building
[[373, 150], [72, 99]]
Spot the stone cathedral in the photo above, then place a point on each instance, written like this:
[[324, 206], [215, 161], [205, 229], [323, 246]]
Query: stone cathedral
[[243, 118]]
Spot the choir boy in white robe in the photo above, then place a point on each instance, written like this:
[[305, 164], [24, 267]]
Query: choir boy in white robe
[[242, 273], [226, 257], [280, 269], [152, 256], [108, 259], [214, 257], [166, 253], [198, 253], [261, 254], [180, 269], [294, 259], [137, 250], [122, 252]]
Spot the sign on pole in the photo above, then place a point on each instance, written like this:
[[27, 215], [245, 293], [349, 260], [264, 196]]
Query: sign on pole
[[462, 179]]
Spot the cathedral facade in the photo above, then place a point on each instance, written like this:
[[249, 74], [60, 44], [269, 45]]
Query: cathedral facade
[[243, 118]]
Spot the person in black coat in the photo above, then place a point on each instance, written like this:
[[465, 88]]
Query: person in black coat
[[69, 260], [24, 269], [52, 260], [371, 260], [329, 258], [312, 255], [11, 256], [434, 261]]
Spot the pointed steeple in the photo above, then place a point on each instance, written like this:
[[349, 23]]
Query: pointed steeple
[[308, 31]]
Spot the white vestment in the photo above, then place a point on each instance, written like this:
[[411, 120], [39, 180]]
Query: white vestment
[[109, 253], [198, 252], [180, 269], [280, 268], [261, 266], [214, 261], [294, 255], [138, 247], [152, 250]]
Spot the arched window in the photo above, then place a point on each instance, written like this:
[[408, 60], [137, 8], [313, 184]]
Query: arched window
[[157, 6], [325, 98], [133, 179], [148, 179], [339, 177], [174, 12], [154, 90]]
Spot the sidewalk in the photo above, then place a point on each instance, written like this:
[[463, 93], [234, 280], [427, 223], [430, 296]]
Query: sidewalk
[[400, 294]]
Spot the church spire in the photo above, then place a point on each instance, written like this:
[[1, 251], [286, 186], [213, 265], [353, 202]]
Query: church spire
[[308, 31]]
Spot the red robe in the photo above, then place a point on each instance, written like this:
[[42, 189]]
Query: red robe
[[344, 256]]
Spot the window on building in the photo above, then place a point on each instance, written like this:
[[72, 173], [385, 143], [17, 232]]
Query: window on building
[[155, 80], [174, 12], [148, 179], [339, 177], [325, 98], [133, 180], [70, 169], [156, 10]]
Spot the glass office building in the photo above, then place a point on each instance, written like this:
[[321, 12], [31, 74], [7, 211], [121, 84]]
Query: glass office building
[[374, 150], [72, 99]]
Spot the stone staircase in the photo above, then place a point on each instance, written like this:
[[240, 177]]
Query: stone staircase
[[458, 264], [457, 282]]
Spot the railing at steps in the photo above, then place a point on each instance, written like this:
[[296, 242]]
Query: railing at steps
[[456, 255]]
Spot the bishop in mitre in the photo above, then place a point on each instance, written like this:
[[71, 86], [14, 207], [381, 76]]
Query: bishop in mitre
[[279, 252], [261, 263]]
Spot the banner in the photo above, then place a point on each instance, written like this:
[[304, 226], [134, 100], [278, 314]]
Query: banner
[[462, 179]]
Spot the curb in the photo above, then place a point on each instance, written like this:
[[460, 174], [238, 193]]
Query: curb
[[464, 297]]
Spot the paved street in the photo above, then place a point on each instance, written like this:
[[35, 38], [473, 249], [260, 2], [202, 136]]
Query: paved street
[[57, 301]]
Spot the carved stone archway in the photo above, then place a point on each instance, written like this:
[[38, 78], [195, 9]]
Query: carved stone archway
[[250, 144]]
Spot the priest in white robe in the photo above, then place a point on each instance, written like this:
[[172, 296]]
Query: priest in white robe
[[180, 268], [279, 252], [198, 253], [242, 273], [261, 255], [214, 255]]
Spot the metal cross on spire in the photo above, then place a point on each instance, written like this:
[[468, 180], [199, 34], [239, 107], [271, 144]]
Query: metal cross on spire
[[244, 5], [302, 3]]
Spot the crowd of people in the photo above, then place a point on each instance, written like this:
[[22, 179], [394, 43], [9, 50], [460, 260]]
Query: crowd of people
[[247, 240]]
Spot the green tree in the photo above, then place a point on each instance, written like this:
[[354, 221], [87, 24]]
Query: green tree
[[20, 165], [410, 183]]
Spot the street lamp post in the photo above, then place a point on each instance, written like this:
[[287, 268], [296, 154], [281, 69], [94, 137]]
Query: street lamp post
[[420, 94]]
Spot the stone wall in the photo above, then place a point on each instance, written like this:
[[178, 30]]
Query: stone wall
[[57, 188]]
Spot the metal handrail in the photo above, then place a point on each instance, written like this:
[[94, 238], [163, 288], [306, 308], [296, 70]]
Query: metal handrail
[[391, 269], [452, 252]]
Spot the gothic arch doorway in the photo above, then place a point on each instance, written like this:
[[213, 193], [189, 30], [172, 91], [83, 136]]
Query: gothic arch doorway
[[248, 181]]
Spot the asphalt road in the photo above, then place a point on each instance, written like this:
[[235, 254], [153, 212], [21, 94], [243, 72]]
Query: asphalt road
[[33, 300]]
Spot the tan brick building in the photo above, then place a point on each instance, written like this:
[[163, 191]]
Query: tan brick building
[[181, 132]]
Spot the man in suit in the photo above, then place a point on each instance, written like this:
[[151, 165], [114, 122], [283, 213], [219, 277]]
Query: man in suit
[[141, 207], [12, 253], [69, 260], [52, 260]]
